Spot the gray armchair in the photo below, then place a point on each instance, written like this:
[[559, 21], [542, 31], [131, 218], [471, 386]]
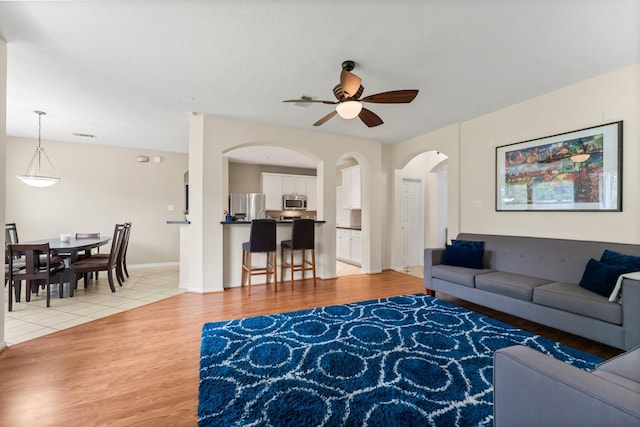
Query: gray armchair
[[533, 389]]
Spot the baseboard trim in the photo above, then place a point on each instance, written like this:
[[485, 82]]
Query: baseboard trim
[[155, 264]]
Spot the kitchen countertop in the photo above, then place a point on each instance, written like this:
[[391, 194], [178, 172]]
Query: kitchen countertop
[[348, 227]]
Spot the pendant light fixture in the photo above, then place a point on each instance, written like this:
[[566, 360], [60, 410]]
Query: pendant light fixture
[[34, 176]]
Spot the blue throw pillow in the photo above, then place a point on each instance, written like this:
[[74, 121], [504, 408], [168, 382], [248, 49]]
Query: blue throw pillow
[[601, 278], [616, 258], [463, 257], [467, 244]]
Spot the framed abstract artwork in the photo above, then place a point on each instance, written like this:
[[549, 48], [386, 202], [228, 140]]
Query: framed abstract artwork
[[573, 171]]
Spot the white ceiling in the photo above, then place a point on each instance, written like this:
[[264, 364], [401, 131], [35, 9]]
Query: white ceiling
[[129, 72]]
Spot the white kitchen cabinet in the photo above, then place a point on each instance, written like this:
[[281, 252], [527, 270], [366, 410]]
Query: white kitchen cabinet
[[271, 184], [274, 185], [355, 249], [312, 193], [343, 244], [351, 188], [342, 214], [294, 184], [349, 245]]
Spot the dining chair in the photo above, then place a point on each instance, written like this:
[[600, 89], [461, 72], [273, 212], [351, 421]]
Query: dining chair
[[80, 236], [262, 239], [38, 270], [10, 237], [302, 239], [121, 267], [99, 262], [10, 233], [125, 246]]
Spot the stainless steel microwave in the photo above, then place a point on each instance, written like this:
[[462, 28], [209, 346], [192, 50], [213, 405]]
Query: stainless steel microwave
[[294, 202]]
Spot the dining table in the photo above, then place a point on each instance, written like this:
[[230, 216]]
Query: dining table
[[72, 248]]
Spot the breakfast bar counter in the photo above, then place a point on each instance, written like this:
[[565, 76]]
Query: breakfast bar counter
[[284, 221], [237, 232]]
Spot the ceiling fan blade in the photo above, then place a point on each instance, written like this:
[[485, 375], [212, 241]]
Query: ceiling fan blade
[[350, 83], [392, 97], [370, 118], [325, 118], [311, 100]]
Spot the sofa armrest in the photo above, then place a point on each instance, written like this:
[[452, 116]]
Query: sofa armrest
[[432, 256], [631, 312], [531, 388]]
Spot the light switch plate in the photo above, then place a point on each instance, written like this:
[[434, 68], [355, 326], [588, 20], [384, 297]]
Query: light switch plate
[[171, 208]]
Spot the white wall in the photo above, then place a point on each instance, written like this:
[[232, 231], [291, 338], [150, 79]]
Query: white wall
[[3, 133], [471, 145], [100, 186], [607, 98]]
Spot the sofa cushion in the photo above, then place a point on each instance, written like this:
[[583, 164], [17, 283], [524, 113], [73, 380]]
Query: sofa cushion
[[472, 244], [458, 275], [626, 365], [461, 256], [601, 278], [574, 299], [510, 284], [616, 258]]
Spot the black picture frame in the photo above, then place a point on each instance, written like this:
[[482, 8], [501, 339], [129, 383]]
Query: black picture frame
[[579, 170]]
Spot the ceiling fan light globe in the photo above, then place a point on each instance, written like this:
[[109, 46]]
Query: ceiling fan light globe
[[349, 109]]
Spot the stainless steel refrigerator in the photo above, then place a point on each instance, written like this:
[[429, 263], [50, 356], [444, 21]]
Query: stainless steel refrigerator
[[256, 203], [238, 206]]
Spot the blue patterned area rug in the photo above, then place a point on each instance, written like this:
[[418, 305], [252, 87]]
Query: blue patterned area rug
[[408, 360]]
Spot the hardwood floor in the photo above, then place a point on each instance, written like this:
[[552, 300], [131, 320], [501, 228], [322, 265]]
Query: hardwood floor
[[140, 367]]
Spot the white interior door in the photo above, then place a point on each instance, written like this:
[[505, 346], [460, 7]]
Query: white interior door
[[412, 222]]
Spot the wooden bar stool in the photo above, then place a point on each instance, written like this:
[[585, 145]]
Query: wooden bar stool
[[262, 239], [302, 238]]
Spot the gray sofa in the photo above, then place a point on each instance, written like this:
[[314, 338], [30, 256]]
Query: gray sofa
[[537, 279], [533, 389]]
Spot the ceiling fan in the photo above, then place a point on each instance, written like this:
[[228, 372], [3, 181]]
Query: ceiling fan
[[349, 103]]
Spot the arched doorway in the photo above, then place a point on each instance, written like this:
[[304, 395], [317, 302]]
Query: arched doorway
[[420, 210], [271, 172], [348, 216]]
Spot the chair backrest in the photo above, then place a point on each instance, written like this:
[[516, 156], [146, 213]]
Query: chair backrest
[[10, 237], [303, 234], [37, 261], [87, 235], [116, 244], [10, 233], [262, 237], [125, 243]]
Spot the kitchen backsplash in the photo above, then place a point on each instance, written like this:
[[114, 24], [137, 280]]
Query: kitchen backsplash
[[279, 214], [355, 219]]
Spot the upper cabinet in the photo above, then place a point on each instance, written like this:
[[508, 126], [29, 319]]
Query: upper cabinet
[[312, 193], [274, 185], [294, 184], [351, 188], [271, 185]]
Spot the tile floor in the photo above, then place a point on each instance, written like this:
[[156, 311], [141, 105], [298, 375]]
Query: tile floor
[[33, 319], [344, 269]]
